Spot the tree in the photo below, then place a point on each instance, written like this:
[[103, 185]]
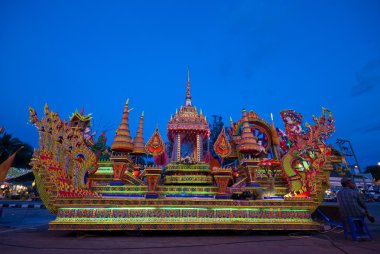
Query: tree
[[375, 172], [216, 128], [100, 148], [9, 144]]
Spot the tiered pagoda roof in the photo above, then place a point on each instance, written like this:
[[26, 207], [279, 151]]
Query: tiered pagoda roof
[[80, 116], [187, 119], [123, 140], [79, 119], [138, 142], [248, 142]]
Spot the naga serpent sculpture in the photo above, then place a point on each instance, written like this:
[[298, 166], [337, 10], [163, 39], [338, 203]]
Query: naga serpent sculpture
[[308, 150]]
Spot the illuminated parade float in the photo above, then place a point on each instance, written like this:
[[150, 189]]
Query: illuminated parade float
[[263, 178]]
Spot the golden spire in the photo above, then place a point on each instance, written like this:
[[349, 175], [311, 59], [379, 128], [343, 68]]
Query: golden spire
[[123, 141], [231, 123], [138, 142], [188, 93]]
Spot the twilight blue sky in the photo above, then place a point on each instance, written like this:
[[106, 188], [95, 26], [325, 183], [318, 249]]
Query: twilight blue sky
[[261, 55]]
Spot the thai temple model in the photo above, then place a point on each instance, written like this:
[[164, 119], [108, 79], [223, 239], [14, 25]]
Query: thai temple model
[[261, 178]]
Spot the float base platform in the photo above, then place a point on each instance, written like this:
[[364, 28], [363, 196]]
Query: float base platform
[[184, 214], [171, 226]]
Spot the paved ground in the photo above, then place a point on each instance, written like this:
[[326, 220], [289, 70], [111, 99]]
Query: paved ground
[[25, 230]]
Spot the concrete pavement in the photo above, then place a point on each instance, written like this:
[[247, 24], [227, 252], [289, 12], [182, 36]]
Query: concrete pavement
[[25, 230]]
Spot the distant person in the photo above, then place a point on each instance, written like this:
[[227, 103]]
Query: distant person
[[350, 202]]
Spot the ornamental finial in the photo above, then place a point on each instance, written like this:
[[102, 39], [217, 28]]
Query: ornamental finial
[[188, 94], [188, 74]]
